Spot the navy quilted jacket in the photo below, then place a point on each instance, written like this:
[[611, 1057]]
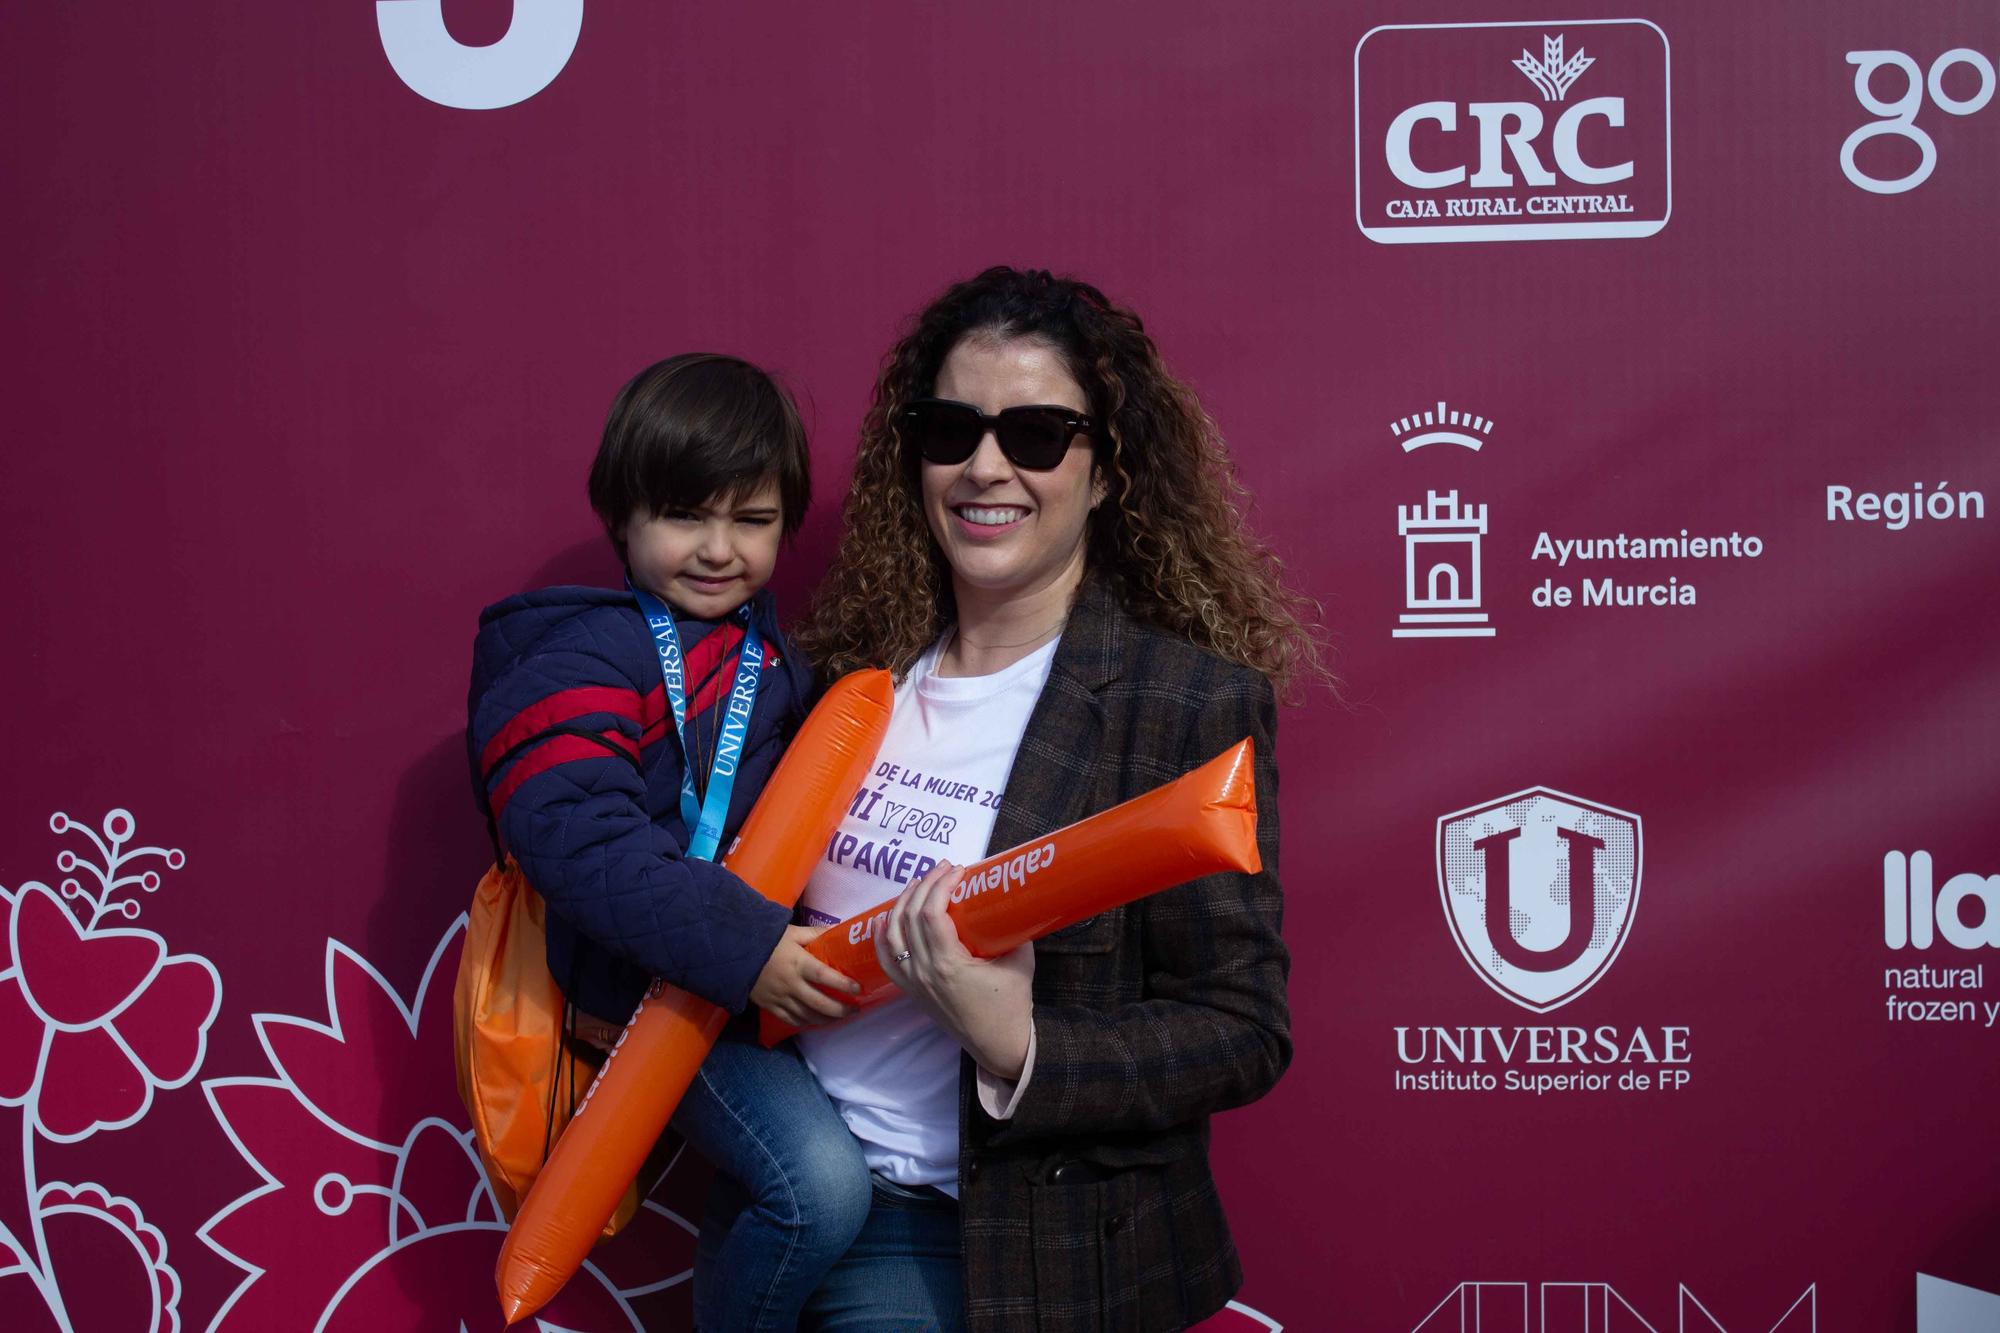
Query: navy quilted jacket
[[573, 752]]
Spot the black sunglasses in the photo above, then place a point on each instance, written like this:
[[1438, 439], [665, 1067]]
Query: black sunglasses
[[1035, 438]]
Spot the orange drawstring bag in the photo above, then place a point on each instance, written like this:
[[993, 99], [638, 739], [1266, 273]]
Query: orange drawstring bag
[[517, 1075]]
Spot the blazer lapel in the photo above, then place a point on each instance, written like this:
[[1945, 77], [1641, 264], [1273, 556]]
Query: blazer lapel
[[1053, 772]]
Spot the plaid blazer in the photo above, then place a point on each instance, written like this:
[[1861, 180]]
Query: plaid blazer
[[1093, 1207]]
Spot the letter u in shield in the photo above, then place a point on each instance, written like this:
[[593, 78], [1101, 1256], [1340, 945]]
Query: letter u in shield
[[1539, 889]]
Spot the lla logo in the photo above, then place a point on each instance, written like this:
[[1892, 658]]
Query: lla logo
[[1913, 915], [1512, 131], [1539, 890]]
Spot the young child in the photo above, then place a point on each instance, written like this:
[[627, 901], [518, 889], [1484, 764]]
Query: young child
[[615, 811]]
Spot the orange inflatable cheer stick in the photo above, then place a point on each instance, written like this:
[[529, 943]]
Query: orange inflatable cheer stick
[[1199, 823], [663, 1046]]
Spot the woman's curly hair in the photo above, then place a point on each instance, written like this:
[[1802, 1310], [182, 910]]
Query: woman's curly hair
[[1170, 538]]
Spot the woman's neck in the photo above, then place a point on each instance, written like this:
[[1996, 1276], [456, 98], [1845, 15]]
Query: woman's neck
[[997, 629]]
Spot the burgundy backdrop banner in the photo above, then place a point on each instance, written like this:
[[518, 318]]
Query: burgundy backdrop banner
[[1621, 380]]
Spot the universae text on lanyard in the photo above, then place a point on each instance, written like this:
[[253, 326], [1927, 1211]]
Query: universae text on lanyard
[[704, 819]]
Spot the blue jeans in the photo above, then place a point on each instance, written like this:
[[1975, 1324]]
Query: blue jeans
[[903, 1275], [791, 1190]]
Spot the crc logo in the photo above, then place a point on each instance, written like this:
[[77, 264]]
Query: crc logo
[[1899, 113], [1912, 918], [1539, 889], [1512, 131]]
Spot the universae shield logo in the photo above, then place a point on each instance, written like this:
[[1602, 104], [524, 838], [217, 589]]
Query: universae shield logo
[[1539, 889]]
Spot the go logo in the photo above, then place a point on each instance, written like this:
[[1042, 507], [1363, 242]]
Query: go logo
[[1899, 116], [437, 66]]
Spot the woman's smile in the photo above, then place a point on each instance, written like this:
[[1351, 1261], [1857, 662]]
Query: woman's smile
[[985, 522]]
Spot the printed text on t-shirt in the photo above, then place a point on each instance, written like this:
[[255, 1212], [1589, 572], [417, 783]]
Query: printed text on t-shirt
[[909, 822]]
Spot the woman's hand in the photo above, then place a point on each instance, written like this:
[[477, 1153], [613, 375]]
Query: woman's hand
[[794, 984], [986, 1004]]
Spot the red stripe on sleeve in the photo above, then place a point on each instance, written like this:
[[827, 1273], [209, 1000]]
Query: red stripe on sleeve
[[553, 751], [562, 706], [622, 741], [652, 713]]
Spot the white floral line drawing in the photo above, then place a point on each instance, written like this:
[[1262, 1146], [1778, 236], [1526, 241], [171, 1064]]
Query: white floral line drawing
[[334, 1193], [95, 1020], [1240, 1308], [95, 1006]]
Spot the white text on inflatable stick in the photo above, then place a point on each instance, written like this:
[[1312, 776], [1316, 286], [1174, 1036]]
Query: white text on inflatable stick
[[1006, 876]]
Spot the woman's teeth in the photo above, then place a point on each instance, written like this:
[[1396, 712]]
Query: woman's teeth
[[990, 518]]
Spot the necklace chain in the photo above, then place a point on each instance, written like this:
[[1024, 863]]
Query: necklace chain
[[958, 636], [714, 727]]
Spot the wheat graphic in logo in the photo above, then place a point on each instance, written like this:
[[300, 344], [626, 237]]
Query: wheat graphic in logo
[[1552, 75]]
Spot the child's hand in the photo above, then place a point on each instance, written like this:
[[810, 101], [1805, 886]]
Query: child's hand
[[596, 1032], [790, 986]]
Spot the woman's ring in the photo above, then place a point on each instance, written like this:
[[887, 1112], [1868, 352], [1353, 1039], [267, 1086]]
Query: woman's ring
[[903, 957]]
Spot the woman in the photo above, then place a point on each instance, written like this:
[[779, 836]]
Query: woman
[[1042, 543]]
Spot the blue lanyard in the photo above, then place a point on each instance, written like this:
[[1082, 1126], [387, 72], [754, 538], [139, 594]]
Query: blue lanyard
[[704, 819]]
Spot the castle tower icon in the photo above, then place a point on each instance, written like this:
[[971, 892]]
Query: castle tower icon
[[1441, 569]]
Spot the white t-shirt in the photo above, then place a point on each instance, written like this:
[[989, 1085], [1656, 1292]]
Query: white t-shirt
[[933, 796]]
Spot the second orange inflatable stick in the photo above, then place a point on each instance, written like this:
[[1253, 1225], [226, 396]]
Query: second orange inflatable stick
[[648, 1072], [1201, 822]]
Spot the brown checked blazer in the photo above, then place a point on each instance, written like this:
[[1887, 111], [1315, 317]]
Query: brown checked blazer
[[1093, 1206]]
